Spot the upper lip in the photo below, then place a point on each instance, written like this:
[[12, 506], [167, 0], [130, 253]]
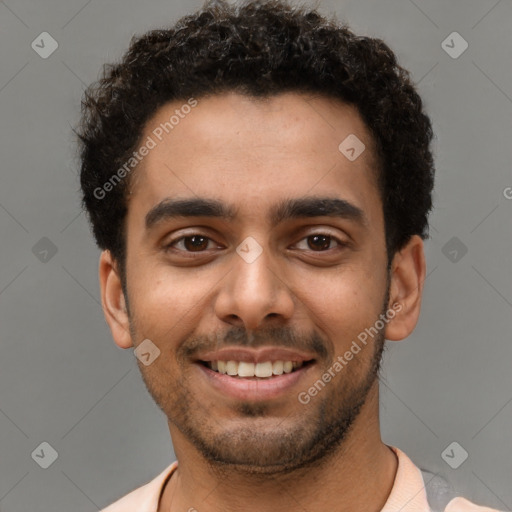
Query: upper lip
[[255, 355]]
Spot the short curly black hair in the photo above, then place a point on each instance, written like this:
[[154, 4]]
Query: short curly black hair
[[257, 48]]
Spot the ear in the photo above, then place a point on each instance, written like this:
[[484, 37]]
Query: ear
[[407, 276], [113, 302]]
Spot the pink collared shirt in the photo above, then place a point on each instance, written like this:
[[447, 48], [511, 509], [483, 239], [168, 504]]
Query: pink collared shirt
[[407, 495]]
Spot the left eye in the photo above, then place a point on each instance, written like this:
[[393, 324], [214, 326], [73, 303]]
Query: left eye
[[319, 242]]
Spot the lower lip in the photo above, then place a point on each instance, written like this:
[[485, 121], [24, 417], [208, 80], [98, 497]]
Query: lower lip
[[254, 389]]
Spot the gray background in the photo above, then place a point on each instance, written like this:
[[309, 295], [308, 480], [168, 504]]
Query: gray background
[[63, 380]]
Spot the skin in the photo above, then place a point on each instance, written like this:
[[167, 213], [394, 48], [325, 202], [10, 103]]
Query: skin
[[278, 454]]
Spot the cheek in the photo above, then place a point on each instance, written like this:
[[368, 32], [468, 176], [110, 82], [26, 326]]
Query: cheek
[[344, 305], [152, 296], [166, 305], [156, 288]]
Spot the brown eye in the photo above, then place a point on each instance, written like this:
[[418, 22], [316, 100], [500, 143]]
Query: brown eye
[[193, 243], [319, 242], [196, 243]]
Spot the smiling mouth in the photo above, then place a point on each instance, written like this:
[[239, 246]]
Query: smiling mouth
[[247, 370]]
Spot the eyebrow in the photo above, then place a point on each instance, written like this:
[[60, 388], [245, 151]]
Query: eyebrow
[[287, 209]]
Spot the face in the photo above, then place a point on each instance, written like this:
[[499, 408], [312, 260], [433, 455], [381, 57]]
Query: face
[[249, 229]]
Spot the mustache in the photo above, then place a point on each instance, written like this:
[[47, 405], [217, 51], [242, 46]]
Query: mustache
[[240, 337]]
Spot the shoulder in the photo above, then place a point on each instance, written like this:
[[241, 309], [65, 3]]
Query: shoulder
[[144, 498], [442, 496], [460, 504]]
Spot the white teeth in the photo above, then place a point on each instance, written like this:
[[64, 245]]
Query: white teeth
[[277, 368], [261, 370], [231, 368], [245, 369]]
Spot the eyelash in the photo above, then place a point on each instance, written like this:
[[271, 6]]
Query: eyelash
[[169, 247]]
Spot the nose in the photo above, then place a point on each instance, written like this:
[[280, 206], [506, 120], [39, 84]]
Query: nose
[[254, 294]]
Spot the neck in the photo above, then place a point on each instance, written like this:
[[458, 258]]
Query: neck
[[358, 475]]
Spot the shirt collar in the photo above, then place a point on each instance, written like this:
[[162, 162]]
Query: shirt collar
[[407, 495]]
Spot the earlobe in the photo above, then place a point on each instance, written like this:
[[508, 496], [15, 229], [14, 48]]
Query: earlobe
[[113, 301], [406, 287]]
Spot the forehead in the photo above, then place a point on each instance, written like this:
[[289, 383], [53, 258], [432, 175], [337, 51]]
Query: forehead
[[251, 152]]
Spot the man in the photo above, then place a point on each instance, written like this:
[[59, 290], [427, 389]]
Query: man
[[259, 179]]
